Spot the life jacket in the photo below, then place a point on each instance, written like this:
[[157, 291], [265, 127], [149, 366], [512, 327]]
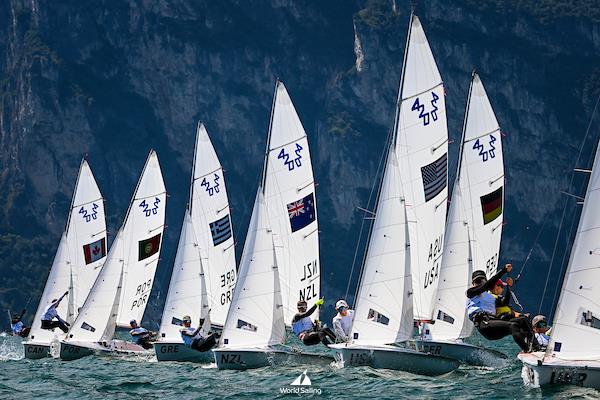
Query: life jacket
[[302, 325], [502, 309], [485, 302]]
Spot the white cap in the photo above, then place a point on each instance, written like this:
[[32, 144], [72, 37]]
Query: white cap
[[341, 303]]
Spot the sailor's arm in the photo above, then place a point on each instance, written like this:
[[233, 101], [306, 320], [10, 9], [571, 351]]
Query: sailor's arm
[[489, 284]]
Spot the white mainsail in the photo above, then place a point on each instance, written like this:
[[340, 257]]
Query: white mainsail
[[422, 146], [204, 272], [79, 257], [289, 191], [121, 291], [384, 309], [474, 229], [576, 326], [255, 318]]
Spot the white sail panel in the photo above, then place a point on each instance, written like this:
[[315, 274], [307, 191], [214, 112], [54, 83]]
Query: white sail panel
[[80, 255], [145, 225], [383, 313], [212, 223], [291, 201], [421, 140], [576, 326], [475, 219], [255, 318], [186, 287]]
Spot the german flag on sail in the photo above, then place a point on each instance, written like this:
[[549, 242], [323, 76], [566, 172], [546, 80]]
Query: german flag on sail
[[148, 247], [491, 205]]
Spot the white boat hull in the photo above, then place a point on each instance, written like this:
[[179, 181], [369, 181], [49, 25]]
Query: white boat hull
[[463, 352], [36, 351], [241, 359], [70, 350], [540, 370], [392, 357], [177, 351]]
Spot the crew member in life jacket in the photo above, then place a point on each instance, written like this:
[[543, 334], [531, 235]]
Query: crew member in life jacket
[[142, 336], [310, 332], [50, 313], [342, 322], [195, 338], [16, 325], [542, 330], [503, 309], [481, 309]]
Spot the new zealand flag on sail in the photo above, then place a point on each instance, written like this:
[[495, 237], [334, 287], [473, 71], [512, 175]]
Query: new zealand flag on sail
[[302, 212], [435, 177], [220, 230]]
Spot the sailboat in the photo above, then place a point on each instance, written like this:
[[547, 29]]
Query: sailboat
[[78, 260], [573, 354], [473, 232], [280, 260], [121, 290], [204, 272]]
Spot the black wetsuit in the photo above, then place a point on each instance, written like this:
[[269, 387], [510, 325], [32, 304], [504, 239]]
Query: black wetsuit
[[493, 328], [316, 334]]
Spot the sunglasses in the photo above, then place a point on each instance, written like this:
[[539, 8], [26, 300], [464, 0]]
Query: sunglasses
[[342, 308], [541, 324]]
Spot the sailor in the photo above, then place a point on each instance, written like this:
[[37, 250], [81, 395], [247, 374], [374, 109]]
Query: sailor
[[194, 338], [481, 309], [50, 313], [342, 322], [141, 335], [542, 331], [503, 309], [310, 332], [16, 325]]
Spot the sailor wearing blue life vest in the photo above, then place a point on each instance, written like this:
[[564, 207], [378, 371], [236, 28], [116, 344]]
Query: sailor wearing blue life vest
[[309, 332], [194, 338], [481, 309], [16, 325], [50, 313], [141, 335]]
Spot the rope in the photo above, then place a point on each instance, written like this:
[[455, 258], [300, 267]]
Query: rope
[[530, 251], [366, 211], [566, 204]]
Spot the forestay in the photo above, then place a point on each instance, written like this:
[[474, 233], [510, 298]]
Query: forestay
[[474, 229], [384, 309], [421, 138], [80, 254], [255, 318], [576, 326], [291, 202], [212, 224], [135, 250]]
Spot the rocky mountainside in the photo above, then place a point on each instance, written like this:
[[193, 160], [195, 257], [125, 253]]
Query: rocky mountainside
[[114, 79]]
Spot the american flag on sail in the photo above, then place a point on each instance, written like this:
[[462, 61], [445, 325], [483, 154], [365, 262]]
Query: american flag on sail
[[435, 177], [302, 212]]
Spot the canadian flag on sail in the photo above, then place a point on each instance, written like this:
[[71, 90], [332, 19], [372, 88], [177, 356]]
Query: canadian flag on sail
[[94, 251]]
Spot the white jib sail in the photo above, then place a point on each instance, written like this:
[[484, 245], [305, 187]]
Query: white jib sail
[[576, 327], [292, 205], [80, 255], [422, 148], [139, 238], [475, 218], [255, 318], [212, 224], [384, 309]]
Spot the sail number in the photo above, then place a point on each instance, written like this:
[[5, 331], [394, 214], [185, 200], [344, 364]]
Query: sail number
[[228, 282], [150, 208], [88, 216], [309, 290], [211, 187], [294, 162], [490, 265], [141, 295], [427, 116], [435, 253], [486, 153]]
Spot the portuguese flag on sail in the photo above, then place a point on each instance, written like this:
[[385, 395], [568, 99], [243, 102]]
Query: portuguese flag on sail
[[148, 247], [491, 205]]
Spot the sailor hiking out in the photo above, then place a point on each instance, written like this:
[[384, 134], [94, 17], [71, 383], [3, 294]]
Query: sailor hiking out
[[481, 309], [50, 313], [196, 338], [17, 326], [141, 335], [310, 332]]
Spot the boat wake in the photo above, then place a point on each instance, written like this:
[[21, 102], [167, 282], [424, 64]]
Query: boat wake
[[11, 348]]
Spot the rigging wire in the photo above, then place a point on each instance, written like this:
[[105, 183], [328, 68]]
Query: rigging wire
[[530, 251], [566, 204]]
